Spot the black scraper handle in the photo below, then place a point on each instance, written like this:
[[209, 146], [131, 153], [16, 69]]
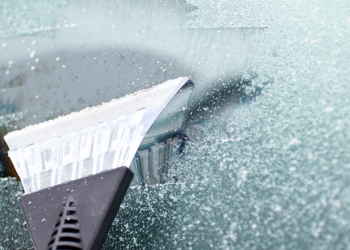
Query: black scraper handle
[[76, 215]]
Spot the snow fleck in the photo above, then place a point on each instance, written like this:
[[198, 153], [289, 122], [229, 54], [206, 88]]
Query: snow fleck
[[294, 141], [328, 109]]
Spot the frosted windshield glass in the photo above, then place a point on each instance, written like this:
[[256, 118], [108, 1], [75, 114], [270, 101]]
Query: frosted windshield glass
[[258, 158]]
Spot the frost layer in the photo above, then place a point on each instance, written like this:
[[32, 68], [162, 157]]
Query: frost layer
[[278, 177], [13, 228]]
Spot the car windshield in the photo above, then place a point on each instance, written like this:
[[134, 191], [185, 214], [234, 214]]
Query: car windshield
[[252, 153]]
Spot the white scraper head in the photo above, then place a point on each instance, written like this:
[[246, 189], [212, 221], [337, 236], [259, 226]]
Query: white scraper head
[[87, 142]]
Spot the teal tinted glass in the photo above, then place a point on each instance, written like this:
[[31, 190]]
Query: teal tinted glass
[[260, 156]]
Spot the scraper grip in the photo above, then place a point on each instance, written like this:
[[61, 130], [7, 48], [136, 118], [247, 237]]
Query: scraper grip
[[76, 215]]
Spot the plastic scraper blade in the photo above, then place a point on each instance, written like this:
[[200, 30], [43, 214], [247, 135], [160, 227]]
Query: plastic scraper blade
[[87, 142]]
